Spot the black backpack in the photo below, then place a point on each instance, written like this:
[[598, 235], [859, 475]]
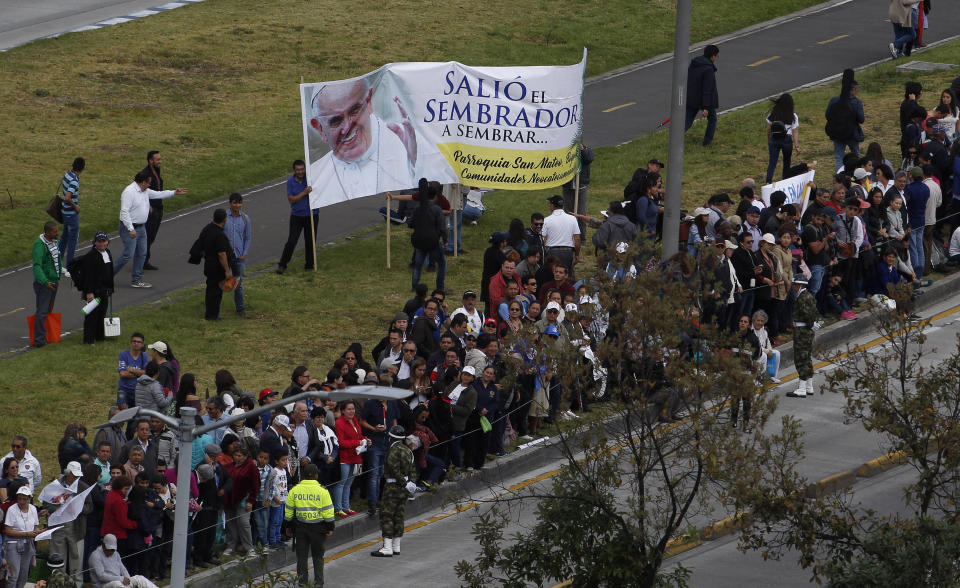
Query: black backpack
[[425, 236], [778, 130], [840, 124], [75, 267]]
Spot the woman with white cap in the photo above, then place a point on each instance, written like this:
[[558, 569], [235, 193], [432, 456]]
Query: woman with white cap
[[698, 230], [21, 527]]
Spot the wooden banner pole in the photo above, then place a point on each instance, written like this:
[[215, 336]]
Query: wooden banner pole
[[388, 230], [457, 206]]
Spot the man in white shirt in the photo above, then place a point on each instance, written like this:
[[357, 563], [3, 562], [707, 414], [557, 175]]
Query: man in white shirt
[[469, 310], [930, 215], [29, 465], [561, 235], [134, 210], [107, 569]]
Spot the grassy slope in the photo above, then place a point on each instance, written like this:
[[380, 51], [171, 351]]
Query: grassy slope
[[215, 86], [352, 296]]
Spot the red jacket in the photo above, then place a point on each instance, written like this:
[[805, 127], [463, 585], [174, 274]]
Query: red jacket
[[115, 519], [246, 483], [498, 289], [350, 436]]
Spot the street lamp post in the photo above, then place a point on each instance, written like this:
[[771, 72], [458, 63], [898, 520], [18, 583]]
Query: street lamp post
[[188, 430], [673, 200]]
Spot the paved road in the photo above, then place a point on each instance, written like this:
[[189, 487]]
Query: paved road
[[618, 107], [830, 447]]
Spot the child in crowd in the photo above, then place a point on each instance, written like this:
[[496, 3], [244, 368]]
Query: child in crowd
[[278, 497], [261, 515]]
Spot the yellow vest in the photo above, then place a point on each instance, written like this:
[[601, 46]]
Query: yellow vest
[[309, 502]]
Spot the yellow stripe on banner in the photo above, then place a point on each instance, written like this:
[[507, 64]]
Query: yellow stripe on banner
[[612, 108], [762, 61], [511, 169], [837, 38]]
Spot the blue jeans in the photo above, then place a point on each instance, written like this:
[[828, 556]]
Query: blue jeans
[[341, 490], [816, 278], [435, 467], [135, 247], [456, 455], [711, 122], [436, 257], [916, 251], [68, 240], [449, 246], [471, 213], [261, 515], [276, 520], [902, 35], [775, 147], [839, 149], [45, 299], [374, 474], [238, 268]]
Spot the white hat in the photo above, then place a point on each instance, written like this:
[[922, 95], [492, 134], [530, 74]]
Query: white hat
[[25, 490], [109, 541], [622, 247], [74, 468], [469, 370], [281, 420], [554, 305], [159, 347], [237, 411], [860, 173], [701, 211], [571, 307], [769, 238], [728, 244]]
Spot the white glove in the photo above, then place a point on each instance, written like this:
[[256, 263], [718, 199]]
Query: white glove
[[365, 443], [816, 325], [411, 487], [361, 448]]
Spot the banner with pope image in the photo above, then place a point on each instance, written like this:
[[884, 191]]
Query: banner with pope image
[[508, 128]]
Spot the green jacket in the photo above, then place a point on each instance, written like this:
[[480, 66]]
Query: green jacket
[[805, 310], [60, 579], [44, 268], [399, 463]]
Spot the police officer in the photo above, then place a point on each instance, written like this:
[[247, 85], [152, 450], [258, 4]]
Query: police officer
[[398, 470], [804, 316], [58, 576], [310, 509]]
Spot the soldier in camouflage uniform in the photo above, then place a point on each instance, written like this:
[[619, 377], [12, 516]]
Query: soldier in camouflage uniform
[[804, 316], [58, 576], [398, 469]]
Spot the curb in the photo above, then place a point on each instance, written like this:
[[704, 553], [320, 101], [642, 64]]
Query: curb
[[881, 464], [831, 484]]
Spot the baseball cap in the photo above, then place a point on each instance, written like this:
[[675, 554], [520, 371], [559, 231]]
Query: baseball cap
[[109, 541], [266, 393], [74, 468], [916, 172], [769, 238], [853, 201], [571, 307], [552, 330], [401, 316], [212, 449], [701, 211], [860, 173], [622, 247], [25, 490], [281, 420], [490, 321], [469, 370], [656, 161], [830, 212], [553, 305], [863, 203], [497, 237], [101, 236], [387, 363], [469, 294], [728, 244], [159, 347], [555, 200]]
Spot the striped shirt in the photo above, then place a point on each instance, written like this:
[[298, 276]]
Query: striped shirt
[[70, 183]]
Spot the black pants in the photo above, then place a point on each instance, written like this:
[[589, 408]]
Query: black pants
[[206, 531], [310, 538], [213, 298], [474, 443], [298, 224], [153, 225], [93, 322]]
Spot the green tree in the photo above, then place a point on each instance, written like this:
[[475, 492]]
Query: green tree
[[667, 458]]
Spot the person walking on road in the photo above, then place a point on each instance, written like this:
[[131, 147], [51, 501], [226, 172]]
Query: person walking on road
[[309, 505], [298, 195], [134, 211], [240, 233], [783, 134], [702, 96], [844, 116], [154, 159], [399, 470], [217, 261], [805, 315], [70, 209], [903, 32], [47, 269], [96, 281], [428, 236]]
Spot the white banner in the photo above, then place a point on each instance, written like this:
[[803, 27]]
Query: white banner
[[70, 510], [511, 128], [794, 188]]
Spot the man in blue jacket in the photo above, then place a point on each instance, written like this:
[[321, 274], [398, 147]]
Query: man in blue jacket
[[702, 93], [917, 194]]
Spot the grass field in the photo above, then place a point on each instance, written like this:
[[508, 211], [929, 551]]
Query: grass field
[[215, 87], [311, 318]]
